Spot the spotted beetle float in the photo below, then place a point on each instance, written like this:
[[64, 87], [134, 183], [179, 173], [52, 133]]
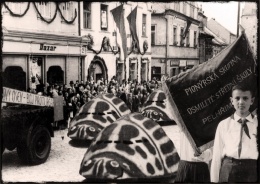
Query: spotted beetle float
[[155, 107], [93, 116], [133, 147]]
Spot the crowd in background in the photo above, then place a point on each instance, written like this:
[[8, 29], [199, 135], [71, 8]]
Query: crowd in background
[[76, 94]]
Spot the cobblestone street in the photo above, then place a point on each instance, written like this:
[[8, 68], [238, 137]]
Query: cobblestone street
[[63, 163]]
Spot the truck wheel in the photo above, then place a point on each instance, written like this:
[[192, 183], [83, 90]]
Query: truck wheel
[[39, 147]]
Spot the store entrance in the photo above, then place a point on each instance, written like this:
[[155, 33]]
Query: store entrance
[[14, 77], [55, 75]]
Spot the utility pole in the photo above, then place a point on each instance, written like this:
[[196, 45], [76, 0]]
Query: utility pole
[[238, 18]]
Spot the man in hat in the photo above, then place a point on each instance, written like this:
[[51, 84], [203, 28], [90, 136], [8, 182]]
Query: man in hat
[[72, 86]]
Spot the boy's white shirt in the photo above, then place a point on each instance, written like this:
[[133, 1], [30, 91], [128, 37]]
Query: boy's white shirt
[[227, 139]]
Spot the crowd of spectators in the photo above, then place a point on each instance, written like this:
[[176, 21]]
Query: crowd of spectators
[[76, 94]]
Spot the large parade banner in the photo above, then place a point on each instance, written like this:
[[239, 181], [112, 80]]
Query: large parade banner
[[200, 97]]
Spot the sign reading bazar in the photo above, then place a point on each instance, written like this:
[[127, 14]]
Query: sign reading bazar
[[21, 97], [200, 97], [47, 47]]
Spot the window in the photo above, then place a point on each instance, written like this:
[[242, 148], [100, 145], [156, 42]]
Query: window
[[173, 72], [195, 39], [68, 10], [87, 15], [153, 32], [103, 17], [177, 6], [132, 69], [143, 71], [184, 8], [175, 35], [192, 12], [181, 37], [45, 9], [144, 25], [188, 38], [36, 71]]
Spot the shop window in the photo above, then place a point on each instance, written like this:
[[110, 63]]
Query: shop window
[[14, 77], [35, 71], [153, 34], [55, 75], [144, 25], [156, 72], [86, 15], [103, 17], [174, 71]]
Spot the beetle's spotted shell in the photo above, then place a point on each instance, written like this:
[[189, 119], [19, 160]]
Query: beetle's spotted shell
[[155, 107], [93, 116], [132, 147]]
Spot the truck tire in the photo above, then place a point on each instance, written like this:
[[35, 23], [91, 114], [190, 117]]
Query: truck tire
[[38, 149]]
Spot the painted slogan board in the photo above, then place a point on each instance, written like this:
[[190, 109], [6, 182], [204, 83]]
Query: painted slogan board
[[22, 97], [200, 97]]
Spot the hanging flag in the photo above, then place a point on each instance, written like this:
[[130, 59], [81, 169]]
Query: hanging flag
[[132, 17], [118, 15], [200, 97], [187, 28]]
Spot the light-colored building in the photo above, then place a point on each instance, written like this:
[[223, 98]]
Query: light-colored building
[[41, 42], [59, 42], [174, 39], [221, 31], [249, 24], [97, 20]]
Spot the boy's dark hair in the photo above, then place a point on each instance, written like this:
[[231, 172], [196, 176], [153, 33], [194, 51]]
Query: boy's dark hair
[[244, 87]]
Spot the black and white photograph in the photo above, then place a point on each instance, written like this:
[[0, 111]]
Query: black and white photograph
[[127, 91]]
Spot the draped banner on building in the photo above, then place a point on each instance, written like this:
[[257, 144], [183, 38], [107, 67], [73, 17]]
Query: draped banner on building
[[200, 98], [118, 15], [132, 17]]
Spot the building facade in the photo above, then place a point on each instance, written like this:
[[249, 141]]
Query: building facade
[[59, 42], [249, 24], [41, 44], [205, 39], [174, 38], [221, 31], [97, 23]]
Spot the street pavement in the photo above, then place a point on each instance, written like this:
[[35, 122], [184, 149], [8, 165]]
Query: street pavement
[[63, 163]]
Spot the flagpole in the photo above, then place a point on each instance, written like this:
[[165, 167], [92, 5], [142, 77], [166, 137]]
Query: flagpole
[[238, 17]]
